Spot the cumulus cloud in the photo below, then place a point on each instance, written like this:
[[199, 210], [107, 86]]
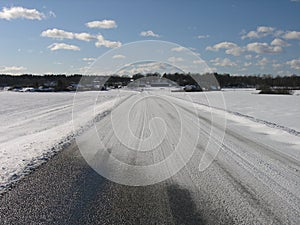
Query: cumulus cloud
[[84, 36], [119, 57], [265, 30], [12, 69], [175, 59], [178, 49], [223, 62], [225, 45], [290, 35], [262, 62], [236, 51], [199, 61], [295, 64], [230, 48], [261, 48], [88, 59], [61, 34], [147, 67], [276, 65], [20, 13], [149, 33], [251, 34], [57, 34], [279, 42], [63, 46], [103, 24], [109, 44], [260, 32]]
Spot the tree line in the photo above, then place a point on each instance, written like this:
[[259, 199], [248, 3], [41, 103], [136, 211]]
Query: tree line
[[225, 80]]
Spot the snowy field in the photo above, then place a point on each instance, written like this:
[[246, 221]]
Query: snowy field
[[36, 125], [281, 111]]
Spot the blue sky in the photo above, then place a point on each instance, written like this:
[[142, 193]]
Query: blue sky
[[233, 36]]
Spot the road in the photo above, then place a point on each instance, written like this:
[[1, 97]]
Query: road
[[252, 179]]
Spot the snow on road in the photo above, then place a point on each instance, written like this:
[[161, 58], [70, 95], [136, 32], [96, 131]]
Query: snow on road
[[252, 180], [36, 125]]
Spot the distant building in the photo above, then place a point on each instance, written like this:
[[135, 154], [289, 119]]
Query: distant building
[[152, 81]]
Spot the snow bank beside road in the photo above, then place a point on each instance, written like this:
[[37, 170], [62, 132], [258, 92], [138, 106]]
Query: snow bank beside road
[[35, 126]]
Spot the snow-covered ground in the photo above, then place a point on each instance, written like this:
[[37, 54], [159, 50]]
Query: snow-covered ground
[[36, 125], [281, 111]]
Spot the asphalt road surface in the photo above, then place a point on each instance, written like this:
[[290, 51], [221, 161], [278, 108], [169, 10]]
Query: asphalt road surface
[[252, 180]]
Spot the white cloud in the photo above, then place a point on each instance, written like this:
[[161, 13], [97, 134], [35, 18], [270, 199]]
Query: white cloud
[[147, 67], [276, 65], [279, 42], [251, 34], [11, 69], [295, 0], [89, 59], [119, 57], [149, 33], [175, 59], [262, 62], [199, 61], [84, 36], [57, 34], [261, 48], [178, 49], [247, 64], [203, 36], [210, 48], [20, 13], [197, 54], [295, 64], [292, 35], [103, 24], [278, 33], [62, 34], [260, 32], [224, 45], [63, 46], [231, 48], [236, 51], [109, 44], [265, 30], [223, 62]]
